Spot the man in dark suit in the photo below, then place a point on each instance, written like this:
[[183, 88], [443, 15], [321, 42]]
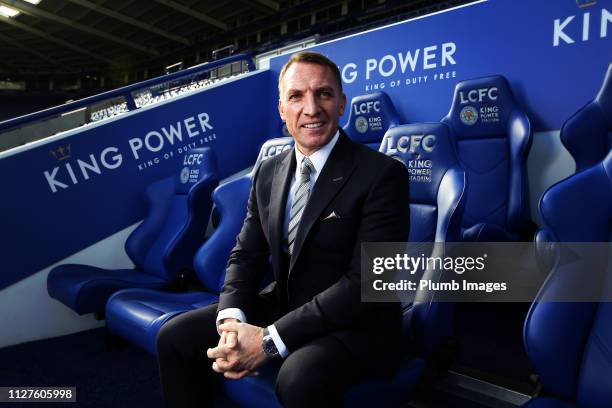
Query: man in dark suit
[[309, 210]]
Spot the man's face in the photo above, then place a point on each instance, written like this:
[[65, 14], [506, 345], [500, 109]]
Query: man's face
[[311, 104]]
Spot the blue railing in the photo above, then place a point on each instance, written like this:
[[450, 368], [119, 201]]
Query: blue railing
[[125, 92]]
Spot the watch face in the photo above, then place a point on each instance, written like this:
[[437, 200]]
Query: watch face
[[269, 347]]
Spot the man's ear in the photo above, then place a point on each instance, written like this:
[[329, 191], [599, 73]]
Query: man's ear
[[281, 110], [342, 104]]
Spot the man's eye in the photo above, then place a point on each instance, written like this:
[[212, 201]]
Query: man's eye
[[326, 94], [294, 97]]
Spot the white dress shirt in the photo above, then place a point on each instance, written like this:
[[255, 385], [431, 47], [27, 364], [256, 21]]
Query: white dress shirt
[[318, 159]]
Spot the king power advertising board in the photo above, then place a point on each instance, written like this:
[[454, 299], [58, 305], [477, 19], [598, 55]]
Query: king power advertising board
[[67, 194], [554, 54]]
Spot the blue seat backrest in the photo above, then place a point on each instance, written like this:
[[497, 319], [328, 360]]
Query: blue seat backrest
[[569, 343], [575, 209], [437, 181], [231, 202], [370, 116], [158, 195], [437, 199], [587, 134], [166, 241], [493, 137]]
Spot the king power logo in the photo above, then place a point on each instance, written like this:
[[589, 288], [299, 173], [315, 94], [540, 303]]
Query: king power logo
[[582, 26], [408, 62], [181, 136]]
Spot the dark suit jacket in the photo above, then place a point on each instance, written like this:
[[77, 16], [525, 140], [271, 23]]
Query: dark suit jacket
[[319, 292]]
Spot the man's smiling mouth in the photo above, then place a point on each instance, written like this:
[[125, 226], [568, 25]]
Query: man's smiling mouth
[[313, 125]]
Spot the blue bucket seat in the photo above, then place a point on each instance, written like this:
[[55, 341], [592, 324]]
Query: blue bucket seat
[[569, 343], [493, 137]]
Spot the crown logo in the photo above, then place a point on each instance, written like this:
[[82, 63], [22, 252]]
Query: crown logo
[[62, 153], [585, 3]]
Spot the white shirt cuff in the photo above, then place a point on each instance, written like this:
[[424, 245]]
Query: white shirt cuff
[[230, 313], [278, 342]]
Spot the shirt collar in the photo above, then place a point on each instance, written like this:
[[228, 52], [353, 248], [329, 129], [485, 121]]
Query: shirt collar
[[318, 158]]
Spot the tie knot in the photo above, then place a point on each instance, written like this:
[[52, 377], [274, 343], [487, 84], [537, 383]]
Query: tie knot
[[306, 168]]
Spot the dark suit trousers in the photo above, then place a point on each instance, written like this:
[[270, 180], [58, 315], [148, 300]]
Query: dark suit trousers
[[315, 375]]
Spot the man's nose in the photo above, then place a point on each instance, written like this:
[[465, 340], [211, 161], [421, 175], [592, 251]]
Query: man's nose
[[311, 105]]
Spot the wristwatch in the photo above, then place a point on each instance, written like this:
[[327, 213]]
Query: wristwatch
[[268, 345]]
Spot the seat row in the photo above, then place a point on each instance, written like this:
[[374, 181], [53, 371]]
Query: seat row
[[478, 150], [492, 151], [492, 137]]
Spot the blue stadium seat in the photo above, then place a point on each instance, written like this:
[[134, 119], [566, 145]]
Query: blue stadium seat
[[568, 343], [587, 134], [437, 198], [370, 116], [138, 314], [162, 247], [493, 137]]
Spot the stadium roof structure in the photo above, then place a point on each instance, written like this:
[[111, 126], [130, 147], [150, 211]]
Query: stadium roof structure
[[56, 37]]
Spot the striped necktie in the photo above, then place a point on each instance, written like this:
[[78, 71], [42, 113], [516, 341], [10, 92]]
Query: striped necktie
[[299, 201]]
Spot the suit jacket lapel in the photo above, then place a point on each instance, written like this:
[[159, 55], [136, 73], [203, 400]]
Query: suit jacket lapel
[[278, 201], [335, 173]]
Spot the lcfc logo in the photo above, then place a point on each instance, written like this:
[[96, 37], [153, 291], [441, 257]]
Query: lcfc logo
[[367, 107], [468, 115], [361, 124], [412, 145], [478, 95], [273, 150], [184, 175]]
